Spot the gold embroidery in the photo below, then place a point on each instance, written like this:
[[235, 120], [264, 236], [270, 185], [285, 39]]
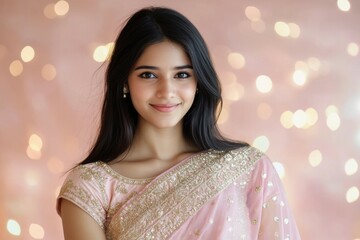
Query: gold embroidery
[[121, 178], [180, 193], [86, 180], [84, 200]]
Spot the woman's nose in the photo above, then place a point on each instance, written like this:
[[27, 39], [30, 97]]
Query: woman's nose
[[166, 88]]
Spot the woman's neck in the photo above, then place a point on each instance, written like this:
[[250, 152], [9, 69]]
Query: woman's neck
[[163, 144]]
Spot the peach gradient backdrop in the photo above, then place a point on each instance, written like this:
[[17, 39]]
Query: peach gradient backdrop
[[63, 111]]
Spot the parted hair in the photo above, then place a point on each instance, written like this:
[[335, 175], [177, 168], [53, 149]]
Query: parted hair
[[118, 116]]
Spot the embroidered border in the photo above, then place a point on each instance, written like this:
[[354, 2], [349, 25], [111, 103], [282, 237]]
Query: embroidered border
[[153, 215]]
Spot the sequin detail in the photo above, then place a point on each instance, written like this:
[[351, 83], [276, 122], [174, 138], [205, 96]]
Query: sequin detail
[[180, 193]]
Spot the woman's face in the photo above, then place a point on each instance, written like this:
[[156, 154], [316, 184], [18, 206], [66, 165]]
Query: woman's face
[[162, 85]]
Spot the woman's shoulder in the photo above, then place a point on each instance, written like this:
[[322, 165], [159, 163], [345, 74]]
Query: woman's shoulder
[[248, 153], [87, 169]]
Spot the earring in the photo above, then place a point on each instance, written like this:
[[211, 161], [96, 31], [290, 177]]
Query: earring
[[125, 91]]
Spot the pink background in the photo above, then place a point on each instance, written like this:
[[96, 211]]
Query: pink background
[[64, 111]]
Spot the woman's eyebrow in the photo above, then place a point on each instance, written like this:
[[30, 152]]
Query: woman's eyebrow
[[146, 67], [156, 68]]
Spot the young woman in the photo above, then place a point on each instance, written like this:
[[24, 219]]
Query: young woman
[[159, 168]]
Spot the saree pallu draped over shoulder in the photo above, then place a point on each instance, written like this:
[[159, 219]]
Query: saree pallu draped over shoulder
[[211, 195], [175, 196]]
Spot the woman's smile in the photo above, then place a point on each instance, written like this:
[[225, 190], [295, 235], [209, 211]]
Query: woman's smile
[[165, 108]]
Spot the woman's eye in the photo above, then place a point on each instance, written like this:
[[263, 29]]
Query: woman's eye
[[182, 75], [147, 75]]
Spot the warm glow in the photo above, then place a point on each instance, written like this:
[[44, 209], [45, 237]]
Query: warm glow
[[13, 227], [286, 119], [228, 78], [299, 77], [315, 158], [311, 116], [294, 30], [61, 8], [262, 143], [36, 231], [263, 84], [48, 72], [333, 121], [351, 167], [331, 109], [252, 13], [301, 65], [236, 60], [27, 54], [35, 142], [282, 29], [299, 119], [314, 63], [352, 194], [233, 92], [16, 68], [353, 49], [343, 5], [280, 169], [32, 154], [103, 52], [49, 11], [264, 111]]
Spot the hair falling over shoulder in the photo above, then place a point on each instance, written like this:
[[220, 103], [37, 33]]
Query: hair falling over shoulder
[[119, 117]]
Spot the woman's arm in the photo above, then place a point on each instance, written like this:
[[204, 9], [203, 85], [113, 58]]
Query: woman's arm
[[77, 224]]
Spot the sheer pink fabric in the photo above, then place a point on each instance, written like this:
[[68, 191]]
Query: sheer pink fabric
[[253, 206]]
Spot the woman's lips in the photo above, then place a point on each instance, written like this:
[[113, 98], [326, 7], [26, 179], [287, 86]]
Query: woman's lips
[[164, 107]]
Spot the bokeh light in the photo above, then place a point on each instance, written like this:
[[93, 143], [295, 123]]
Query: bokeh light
[[103, 52], [294, 30], [264, 84], [36, 231], [353, 49], [282, 29], [315, 158], [49, 11], [233, 92], [351, 167], [48, 72], [286, 119], [280, 169], [61, 8], [35, 142], [236, 60], [299, 77], [27, 54], [314, 63], [262, 143], [16, 68], [13, 227], [253, 13], [352, 194], [344, 5]]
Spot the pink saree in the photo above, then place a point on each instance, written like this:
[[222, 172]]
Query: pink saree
[[210, 195]]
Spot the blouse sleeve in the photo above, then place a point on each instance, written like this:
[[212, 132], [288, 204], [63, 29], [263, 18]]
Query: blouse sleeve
[[83, 188], [269, 211]]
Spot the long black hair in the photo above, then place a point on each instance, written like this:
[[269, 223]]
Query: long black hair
[[119, 117]]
